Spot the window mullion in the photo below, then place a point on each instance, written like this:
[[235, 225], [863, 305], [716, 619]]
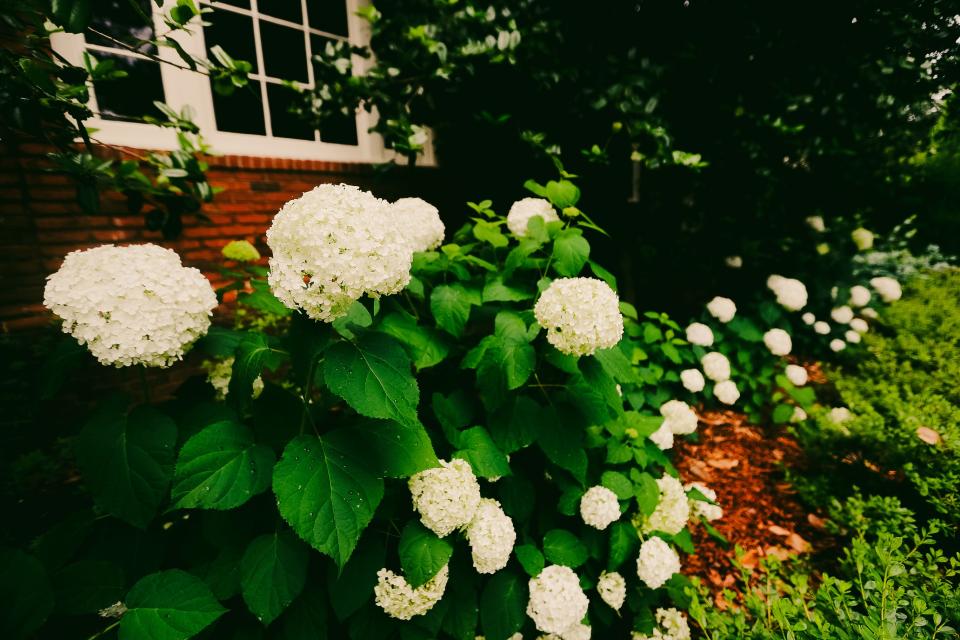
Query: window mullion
[[255, 13]]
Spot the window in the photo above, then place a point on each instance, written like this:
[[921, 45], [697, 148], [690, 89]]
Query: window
[[278, 38]]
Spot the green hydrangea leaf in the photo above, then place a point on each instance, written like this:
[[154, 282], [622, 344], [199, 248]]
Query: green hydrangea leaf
[[562, 547], [422, 553], [169, 605], [272, 573], [503, 605]]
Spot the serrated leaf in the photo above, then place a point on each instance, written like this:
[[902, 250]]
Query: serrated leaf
[[168, 605], [272, 573], [396, 450], [561, 439], [72, 15], [562, 547], [422, 553], [327, 492], [127, 460], [503, 605], [570, 252], [529, 558], [478, 448], [373, 375], [353, 585], [450, 305], [623, 544], [514, 426], [647, 492], [618, 483], [253, 355], [220, 468], [425, 346]]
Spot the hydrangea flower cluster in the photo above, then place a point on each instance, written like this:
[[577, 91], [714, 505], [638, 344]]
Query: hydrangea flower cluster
[[723, 309], [133, 305], [859, 295], [612, 589], [399, 600], [821, 327], [557, 603], [692, 380], [808, 318], [726, 392], [581, 315], [522, 210], [672, 625], [837, 345], [491, 536], [599, 507], [888, 288], [679, 417], [419, 222], [859, 325], [863, 238], [778, 342], [791, 293], [699, 334], [446, 497], [662, 437], [334, 244], [839, 415], [699, 507], [219, 373], [657, 562], [816, 223], [842, 315], [796, 374], [672, 510], [716, 366]]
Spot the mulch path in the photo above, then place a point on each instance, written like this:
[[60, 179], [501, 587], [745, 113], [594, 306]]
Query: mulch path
[[761, 512]]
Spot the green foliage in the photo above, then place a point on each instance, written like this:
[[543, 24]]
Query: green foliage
[[170, 605]]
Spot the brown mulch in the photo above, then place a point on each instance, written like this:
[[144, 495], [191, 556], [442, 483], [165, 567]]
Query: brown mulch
[[761, 512]]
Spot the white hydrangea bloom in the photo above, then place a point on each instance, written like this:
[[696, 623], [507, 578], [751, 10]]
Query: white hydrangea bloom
[[446, 497], [662, 437], [612, 589], [796, 374], [333, 245], [557, 602], [821, 327], [491, 536], [419, 223], [888, 288], [870, 313], [837, 345], [839, 415], [657, 562], [799, 415], [699, 334], [726, 392], [778, 342], [581, 315], [578, 631], [219, 373], [852, 336], [816, 223], [133, 305], [399, 600], [672, 626], [599, 507], [699, 507], [522, 210], [859, 325], [679, 416], [808, 318], [716, 366], [863, 238], [692, 380], [723, 309], [842, 315], [791, 293], [734, 262], [672, 510], [859, 295]]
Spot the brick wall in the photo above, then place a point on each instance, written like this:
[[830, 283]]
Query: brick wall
[[40, 221]]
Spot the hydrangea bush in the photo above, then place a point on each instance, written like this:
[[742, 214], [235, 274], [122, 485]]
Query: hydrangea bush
[[434, 434]]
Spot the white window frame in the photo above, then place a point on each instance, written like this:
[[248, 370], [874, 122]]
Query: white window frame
[[183, 87]]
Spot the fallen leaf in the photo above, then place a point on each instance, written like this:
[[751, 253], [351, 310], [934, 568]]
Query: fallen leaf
[[723, 463], [928, 435], [700, 470], [798, 543], [778, 531], [777, 552], [816, 521], [750, 559]]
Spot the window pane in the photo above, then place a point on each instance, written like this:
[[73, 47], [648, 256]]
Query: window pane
[[284, 53], [118, 19], [233, 32], [243, 4], [340, 131], [240, 112], [285, 9], [328, 15], [132, 96], [285, 124]]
